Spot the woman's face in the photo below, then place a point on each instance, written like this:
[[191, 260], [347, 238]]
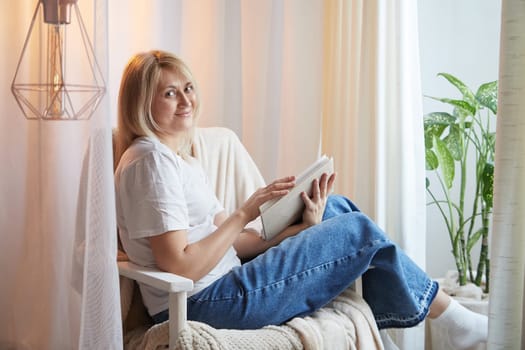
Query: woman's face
[[174, 103]]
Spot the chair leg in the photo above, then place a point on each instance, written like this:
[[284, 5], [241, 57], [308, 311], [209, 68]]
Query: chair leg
[[177, 314], [357, 286]]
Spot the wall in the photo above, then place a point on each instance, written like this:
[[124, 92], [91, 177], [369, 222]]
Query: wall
[[461, 38]]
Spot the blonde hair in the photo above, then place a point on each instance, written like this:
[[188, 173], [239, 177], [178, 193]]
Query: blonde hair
[[137, 89]]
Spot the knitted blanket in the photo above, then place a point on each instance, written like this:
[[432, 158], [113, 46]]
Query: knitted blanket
[[346, 323]]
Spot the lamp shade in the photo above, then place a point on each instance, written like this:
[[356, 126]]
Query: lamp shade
[[57, 76]]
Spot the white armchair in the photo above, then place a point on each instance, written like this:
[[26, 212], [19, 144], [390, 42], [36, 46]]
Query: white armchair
[[229, 166]]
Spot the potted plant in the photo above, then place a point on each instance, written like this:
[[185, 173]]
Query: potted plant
[[460, 152]]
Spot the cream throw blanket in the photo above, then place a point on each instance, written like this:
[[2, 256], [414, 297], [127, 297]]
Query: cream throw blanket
[[346, 323], [230, 168]]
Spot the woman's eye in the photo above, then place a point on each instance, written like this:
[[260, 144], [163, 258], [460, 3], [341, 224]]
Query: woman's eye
[[189, 88], [170, 93]]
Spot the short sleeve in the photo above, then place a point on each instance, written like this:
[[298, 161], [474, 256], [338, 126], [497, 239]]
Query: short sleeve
[[152, 197]]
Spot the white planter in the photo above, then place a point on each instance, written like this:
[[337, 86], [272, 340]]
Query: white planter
[[473, 299]]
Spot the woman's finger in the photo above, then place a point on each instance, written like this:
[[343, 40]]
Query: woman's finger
[[286, 179], [306, 200], [279, 186], [271, 194], [330, 183], [316, 191], [323, 181]]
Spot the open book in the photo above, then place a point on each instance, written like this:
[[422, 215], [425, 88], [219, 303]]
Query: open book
[[281, 212]]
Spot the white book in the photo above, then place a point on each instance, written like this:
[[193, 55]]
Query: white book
[[280, 213]]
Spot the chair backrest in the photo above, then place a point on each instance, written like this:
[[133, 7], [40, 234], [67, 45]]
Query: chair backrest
[[229, 166]]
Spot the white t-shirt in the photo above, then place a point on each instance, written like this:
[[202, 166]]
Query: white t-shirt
[[157, 191]]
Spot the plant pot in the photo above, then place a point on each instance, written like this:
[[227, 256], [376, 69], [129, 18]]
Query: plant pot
[[471, 297]]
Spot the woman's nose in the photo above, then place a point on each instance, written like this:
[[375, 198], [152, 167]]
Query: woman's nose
[[184, 99]]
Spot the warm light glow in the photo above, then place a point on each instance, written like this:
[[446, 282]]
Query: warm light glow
[[55, 57]]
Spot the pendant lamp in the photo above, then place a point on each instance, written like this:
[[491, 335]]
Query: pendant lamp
[[57, 76]]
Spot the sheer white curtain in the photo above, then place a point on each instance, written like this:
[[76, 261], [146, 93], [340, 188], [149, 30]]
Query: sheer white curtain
[[507, 306], [59, 286], [372, 119]]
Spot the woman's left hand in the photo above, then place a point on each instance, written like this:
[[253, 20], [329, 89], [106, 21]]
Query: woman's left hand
[[315, 204]]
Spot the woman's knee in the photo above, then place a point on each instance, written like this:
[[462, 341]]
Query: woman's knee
[[337, 204], [357, 227]]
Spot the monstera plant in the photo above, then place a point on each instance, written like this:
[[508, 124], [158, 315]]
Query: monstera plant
[[459, 147]]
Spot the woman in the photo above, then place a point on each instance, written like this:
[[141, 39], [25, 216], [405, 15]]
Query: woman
[[168, 217]]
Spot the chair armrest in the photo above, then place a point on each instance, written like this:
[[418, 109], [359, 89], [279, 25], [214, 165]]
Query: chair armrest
[[168, 282], [177, 287]]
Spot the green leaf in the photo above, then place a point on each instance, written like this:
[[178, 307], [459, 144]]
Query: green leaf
[[467, 94], [474, 239], [427, 183], [446, 162], [487, 184], [431, 132], [434, 125], [487, 96], [438, 118], [461, 115], [454, 142], [431, 160], [464, 105]]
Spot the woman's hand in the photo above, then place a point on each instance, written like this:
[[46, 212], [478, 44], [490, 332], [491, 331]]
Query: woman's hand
[[315, 204], [276, 189]]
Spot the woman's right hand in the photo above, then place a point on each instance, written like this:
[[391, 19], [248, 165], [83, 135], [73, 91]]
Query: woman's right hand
[[276, 189]]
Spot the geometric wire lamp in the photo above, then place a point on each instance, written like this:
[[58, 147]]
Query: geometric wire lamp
[[58, 77]]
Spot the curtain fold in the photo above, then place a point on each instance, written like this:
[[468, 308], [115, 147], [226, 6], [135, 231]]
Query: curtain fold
[[281, 56], [58, 251], [372, 115], [506, 307], [372, 119]]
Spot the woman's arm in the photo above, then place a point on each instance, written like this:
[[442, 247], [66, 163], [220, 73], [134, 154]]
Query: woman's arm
[[174, 254], [249, 244]]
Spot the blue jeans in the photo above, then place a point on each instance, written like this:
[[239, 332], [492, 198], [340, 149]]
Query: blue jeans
[[307, 271]]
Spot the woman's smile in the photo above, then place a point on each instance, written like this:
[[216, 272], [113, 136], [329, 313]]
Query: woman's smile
[[185, 114]]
